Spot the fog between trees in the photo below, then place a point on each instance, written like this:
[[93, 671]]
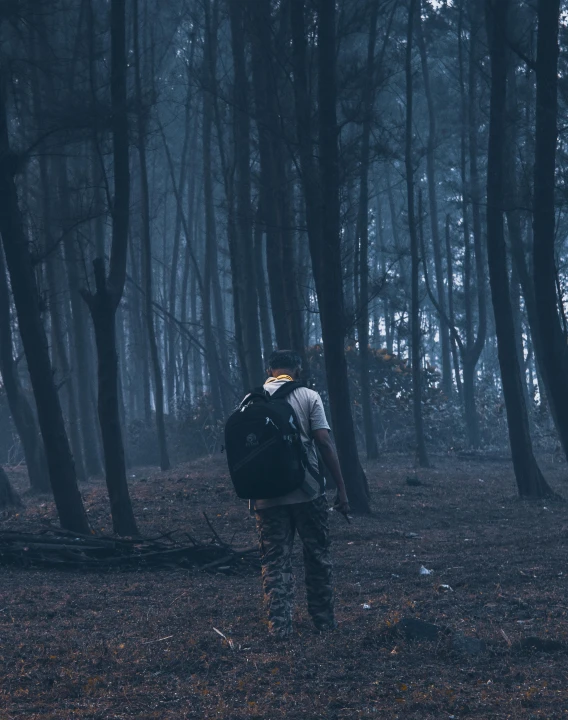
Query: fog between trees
[[186, 186]]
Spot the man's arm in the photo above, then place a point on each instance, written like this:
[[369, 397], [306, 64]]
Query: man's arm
[[328, 453]]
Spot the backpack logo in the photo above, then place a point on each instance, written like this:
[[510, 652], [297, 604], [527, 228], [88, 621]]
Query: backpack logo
[[252, 440]]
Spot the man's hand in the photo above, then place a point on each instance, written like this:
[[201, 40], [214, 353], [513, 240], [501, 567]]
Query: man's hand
[[341, 505]]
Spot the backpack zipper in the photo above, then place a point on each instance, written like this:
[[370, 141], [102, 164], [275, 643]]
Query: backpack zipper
[[253, 454]]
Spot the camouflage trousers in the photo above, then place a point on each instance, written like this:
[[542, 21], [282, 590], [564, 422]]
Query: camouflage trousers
[[276, 530]]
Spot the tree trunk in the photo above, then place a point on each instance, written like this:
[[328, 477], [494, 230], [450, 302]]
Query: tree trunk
[[246, 283], [140, 371], [290, 270], [520, 264], [472, 348], [220, 320], [469, 403], [122, 372], [451, 316], [188, 141], [274, 186], [476, 23], [210, 237], [363, 232], [414, 255], [433, 200], [103, 313], [59, 351], [549, 337], [104, 302], [323, 222], [147, 255], [96, 163], [263, 307], [518, 323], [197, 358], [59, 357], [530, 481], [20, 409], [383, 269], [80, 338], [281, 96], [189, 241], [58, 453], [9, 498], [211, 108]]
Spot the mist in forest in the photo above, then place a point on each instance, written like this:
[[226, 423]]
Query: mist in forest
[[186, 186]]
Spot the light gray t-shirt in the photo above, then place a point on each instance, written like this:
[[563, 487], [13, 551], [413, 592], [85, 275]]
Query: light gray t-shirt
[[311, 416]]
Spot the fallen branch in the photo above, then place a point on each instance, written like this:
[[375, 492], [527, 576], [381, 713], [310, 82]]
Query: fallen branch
[[58, 548], [148, 642], [216, 536]]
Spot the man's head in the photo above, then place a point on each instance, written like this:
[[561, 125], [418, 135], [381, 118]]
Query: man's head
[[285, 362]]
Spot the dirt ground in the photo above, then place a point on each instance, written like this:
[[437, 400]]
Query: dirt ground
[[142, 644]]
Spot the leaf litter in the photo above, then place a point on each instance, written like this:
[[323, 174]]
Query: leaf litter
[[138, 642]]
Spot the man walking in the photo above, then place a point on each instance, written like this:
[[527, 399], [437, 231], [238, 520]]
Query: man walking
[[304, 510]]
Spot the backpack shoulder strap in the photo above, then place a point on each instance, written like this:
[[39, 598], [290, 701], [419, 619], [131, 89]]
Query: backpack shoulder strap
[[285, 389], [257, 393]]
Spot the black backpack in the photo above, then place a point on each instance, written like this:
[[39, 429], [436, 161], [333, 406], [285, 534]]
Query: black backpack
[[264, 448]]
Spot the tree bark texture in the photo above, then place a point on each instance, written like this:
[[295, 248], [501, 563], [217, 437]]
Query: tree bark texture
[[210, 235], [530, 481], [321, 192], [103, 303], [275, 198], [60, 463], [190, 127], [263, 304], [472, 348], [422, 454], [147, 255], [245, 284], [363, 242], [551, 338], [81, 340], [433, 201], [20, 408]]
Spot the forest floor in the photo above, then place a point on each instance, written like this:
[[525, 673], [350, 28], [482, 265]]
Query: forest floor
[[142, 644]]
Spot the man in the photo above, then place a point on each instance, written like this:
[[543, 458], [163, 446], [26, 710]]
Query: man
[[304, 510]]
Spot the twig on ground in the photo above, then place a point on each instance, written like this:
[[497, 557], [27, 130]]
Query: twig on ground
[[215, 563], [178, 597], [147, 642], [225, 638], [221, 542], [507, 639]]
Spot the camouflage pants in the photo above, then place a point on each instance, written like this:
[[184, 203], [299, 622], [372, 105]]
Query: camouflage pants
[[276, 530]]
